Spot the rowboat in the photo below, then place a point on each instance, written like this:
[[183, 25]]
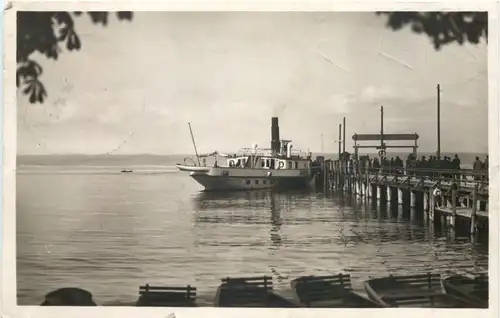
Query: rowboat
[[421, 291], [166, 296], [328, 292], [192, 168], [68, 297], [126, 171], [250, 292], [474, 289]]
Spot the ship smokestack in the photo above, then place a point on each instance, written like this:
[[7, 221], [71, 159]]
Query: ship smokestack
[[275, 135]]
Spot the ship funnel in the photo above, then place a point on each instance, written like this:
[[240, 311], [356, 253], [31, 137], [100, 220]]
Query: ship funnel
[[289, 150], [275, 135]]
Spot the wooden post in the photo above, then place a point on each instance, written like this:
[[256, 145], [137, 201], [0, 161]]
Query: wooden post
[[336, 175], [341, 176], [367, 172], [325, 174], [473, 216], [360, 184], [349, 184], [453, 207], [432, 204], [339, 179]]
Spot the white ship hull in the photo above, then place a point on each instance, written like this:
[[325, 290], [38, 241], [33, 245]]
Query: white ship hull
[[227, 179]]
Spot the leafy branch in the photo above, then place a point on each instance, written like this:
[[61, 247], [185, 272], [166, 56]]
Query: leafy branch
[[443, 27], [45, 33]]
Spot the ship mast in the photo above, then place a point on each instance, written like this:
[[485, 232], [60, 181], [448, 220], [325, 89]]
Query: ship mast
[[194, 144]]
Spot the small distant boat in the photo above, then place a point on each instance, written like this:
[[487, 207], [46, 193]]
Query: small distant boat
[[416, 291], [250, 292], [126, 171], [163, 296], [474, 289], [328, 292]]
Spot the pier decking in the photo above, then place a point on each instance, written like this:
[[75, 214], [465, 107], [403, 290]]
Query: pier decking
[[454, 197]]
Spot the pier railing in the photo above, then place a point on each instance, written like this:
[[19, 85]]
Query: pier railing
[[462, 178], [447, 195]]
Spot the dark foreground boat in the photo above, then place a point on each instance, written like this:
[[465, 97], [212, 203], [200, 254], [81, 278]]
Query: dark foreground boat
[[474, 289], [328, 292], [69, 296], [421, 291], [126, 171], [250, 292], [151, 296]]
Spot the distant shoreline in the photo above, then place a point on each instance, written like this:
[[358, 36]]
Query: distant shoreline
[[423, 153], [153, 160]]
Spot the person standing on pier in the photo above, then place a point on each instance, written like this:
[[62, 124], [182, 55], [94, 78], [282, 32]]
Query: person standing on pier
[[456, 165], [431, 163], [478, 165], [486, 167], [385, 164], [399, 164], [376, 164], [422, 164]]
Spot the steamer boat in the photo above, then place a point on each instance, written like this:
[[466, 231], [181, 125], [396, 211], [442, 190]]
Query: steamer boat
[[254, 168]]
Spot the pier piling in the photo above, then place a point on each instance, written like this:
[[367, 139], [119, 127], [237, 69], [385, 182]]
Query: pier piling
[[429, 194], [474, 211]]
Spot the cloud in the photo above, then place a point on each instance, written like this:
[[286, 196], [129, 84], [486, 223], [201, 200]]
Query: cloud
[[228, 73]]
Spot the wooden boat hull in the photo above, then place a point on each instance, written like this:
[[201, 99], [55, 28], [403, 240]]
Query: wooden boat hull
[[69, 297], [192, 168], [312, 292], [417, 291], [224, 298], [166, 296], [468, 288]]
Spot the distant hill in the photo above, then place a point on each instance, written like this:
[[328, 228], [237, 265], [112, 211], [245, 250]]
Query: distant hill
[[167, 160]]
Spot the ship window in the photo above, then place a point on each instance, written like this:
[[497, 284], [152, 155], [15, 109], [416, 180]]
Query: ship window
[[264, 181], [262, 164], [248, 181], [296, 165], [289, 165], [256, 181]]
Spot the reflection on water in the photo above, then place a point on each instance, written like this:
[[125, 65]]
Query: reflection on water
[[111, 233]]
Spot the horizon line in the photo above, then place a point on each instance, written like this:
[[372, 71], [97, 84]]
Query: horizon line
[[184, 154]]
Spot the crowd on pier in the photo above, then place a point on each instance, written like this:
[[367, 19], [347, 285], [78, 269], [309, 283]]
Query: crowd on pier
[[425, 166]]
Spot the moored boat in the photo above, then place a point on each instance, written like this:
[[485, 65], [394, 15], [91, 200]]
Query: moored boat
[[254, 168], [334, 291], [421, 291], [475, 289], [69, 296], [250, 292], [166, 296], [191, 168]]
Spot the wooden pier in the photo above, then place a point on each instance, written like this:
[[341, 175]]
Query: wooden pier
[[454, 198]]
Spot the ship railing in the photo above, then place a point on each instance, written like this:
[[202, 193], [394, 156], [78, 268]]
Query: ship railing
[[263, 153]]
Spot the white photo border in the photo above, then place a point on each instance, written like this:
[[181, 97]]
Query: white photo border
[[8, 301]]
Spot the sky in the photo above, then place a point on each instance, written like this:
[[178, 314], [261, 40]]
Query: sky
[[134, 86]]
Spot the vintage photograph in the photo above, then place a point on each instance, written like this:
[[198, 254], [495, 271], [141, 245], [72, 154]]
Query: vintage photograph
[[252, 159]]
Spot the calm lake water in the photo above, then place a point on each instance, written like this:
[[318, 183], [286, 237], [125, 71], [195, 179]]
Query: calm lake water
[[109, 232]]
